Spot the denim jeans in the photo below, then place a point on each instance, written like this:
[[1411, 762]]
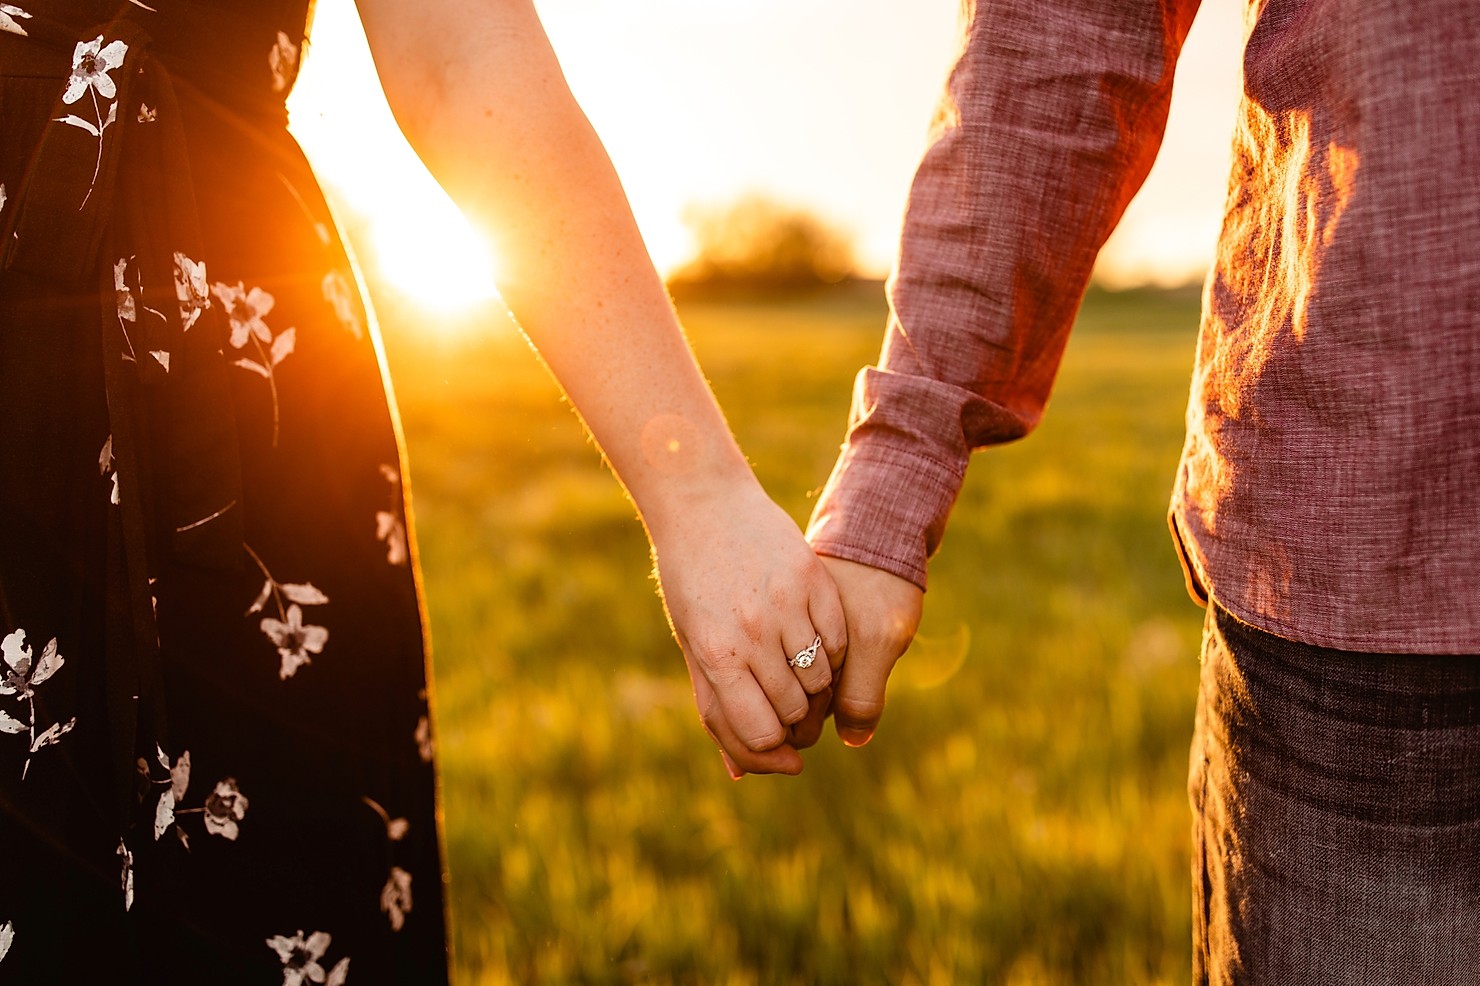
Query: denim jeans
[[1336, 814]]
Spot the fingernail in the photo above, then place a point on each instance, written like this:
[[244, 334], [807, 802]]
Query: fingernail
[[855, 737]]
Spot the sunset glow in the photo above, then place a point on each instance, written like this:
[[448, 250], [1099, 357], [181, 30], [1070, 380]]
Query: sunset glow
[[834, 124], [422, 245]]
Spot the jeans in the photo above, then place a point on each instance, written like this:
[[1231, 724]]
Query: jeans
[[1336, 814]]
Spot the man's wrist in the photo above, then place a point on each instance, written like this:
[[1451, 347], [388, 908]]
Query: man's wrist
[[884, 506]]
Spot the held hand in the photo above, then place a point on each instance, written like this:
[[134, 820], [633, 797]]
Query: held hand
[[807, 732], [883, 612], [745, 593]]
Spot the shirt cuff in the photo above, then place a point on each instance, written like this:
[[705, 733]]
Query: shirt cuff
[[885, 506]]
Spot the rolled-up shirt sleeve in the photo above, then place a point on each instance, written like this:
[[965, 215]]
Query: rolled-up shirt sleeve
[[1051, 120]]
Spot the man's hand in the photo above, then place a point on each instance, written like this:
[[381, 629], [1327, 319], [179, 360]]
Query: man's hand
[[882, 611], [744, 593]]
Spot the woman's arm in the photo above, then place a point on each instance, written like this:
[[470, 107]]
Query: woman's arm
[[479, 94]]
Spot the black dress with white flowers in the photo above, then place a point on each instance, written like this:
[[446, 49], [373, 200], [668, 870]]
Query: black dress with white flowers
[[215, 754]]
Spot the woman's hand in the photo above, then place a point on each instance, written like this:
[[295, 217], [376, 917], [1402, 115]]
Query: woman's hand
[[744, 594], [478, 92]]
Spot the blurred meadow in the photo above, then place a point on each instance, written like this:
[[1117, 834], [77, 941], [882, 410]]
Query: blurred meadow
[[1021, 815]]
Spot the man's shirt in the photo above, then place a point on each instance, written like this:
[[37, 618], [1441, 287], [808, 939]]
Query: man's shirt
[[1329, 489]]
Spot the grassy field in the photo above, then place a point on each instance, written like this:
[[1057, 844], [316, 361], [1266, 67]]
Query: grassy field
[[1021, 817]]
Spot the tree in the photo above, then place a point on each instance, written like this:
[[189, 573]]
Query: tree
[[759, 245]]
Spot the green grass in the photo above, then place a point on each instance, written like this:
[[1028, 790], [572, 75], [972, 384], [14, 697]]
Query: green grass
[[1021, 816]]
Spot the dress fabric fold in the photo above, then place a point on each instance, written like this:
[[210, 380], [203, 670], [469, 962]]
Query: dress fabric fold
[[215, 742]]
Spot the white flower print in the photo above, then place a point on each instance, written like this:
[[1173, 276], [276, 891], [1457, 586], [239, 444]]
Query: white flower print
[[300, 957], [129, 306], [225, 806], [191, 290], [147, 113], [395, 828], [294, 639], [126, 861], [389, 527], [164, 811], [2, 195], [282, 60], [8, 13], [7, 938], [337, 292], [19, 676], [188, 286], [52, 734], [91, 63], [127, 310], [423, 738], [244, 309], [107, 470], [395, 897]]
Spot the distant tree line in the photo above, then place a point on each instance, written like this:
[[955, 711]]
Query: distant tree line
[[757, 245]]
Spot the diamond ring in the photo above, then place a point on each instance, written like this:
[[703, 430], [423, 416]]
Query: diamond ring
[[805, 657]]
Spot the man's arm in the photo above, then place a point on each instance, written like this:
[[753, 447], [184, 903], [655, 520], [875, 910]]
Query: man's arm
[[1052, 118]]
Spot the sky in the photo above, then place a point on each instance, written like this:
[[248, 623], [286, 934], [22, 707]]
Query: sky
[[822, 104]]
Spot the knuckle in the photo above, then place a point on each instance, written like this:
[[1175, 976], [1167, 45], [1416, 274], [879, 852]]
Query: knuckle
[[726, 678], [858, 710], [760, 741], [885, 636], [834, 639], [719, 658]]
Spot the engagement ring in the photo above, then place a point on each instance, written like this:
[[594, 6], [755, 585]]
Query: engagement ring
[[805, 658]]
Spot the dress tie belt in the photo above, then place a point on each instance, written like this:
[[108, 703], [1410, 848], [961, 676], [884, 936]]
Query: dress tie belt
[[108, 208]]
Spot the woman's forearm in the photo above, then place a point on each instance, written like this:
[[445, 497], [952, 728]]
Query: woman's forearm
[[480, 95]]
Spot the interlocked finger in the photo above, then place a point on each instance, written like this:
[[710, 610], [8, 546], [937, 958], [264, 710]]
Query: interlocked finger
[[740, 757], [807, 732]]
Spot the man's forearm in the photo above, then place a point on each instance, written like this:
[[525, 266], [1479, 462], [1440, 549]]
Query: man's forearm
[[1052, 119]]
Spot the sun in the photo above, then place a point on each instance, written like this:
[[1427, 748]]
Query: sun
[[432, 253], [419, 243]]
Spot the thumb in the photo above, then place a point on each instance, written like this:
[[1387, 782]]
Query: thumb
[[858, 697], [883, 611]]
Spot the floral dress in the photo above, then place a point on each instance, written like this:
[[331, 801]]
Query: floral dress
[[215, 753]]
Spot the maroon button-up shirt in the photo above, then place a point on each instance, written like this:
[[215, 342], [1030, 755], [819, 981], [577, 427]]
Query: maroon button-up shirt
[[1329, 490]]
